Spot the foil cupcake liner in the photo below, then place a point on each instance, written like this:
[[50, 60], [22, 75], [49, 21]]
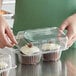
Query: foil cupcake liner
[[54, 56], [34, 59]]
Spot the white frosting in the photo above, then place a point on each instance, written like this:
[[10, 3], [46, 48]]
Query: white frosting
[[29, 50], [50, 46], [3, 65]]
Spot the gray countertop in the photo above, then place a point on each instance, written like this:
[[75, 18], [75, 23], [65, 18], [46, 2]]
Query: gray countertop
[[66, 66]]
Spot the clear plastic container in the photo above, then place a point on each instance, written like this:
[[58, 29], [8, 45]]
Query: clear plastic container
[[38, 37], [5, 64], [6, 14], [52, 56], [25, 59], [33, 59]]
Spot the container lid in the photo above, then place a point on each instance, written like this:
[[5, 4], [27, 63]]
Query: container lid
[[5, 63], [45, 35], [38, 37]]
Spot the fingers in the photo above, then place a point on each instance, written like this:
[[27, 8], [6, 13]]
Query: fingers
[[72, 40], [4, 40], [64, 25], [11, 35], [6, 35]]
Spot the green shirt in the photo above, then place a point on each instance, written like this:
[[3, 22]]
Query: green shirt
[[30, 14]]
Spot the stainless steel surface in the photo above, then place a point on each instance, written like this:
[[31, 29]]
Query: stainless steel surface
[[66, 66]]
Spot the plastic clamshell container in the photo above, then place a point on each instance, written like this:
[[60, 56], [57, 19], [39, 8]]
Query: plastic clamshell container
[[5, 64], [39, 37], [32, 59], [26, 59]]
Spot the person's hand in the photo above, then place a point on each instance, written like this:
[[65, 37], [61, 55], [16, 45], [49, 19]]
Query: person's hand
[[70, 25], [71, 68], [7, 38]]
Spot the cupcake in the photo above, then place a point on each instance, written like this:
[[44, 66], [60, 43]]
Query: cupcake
[[51, 52], [3, 66], [29, 54]]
